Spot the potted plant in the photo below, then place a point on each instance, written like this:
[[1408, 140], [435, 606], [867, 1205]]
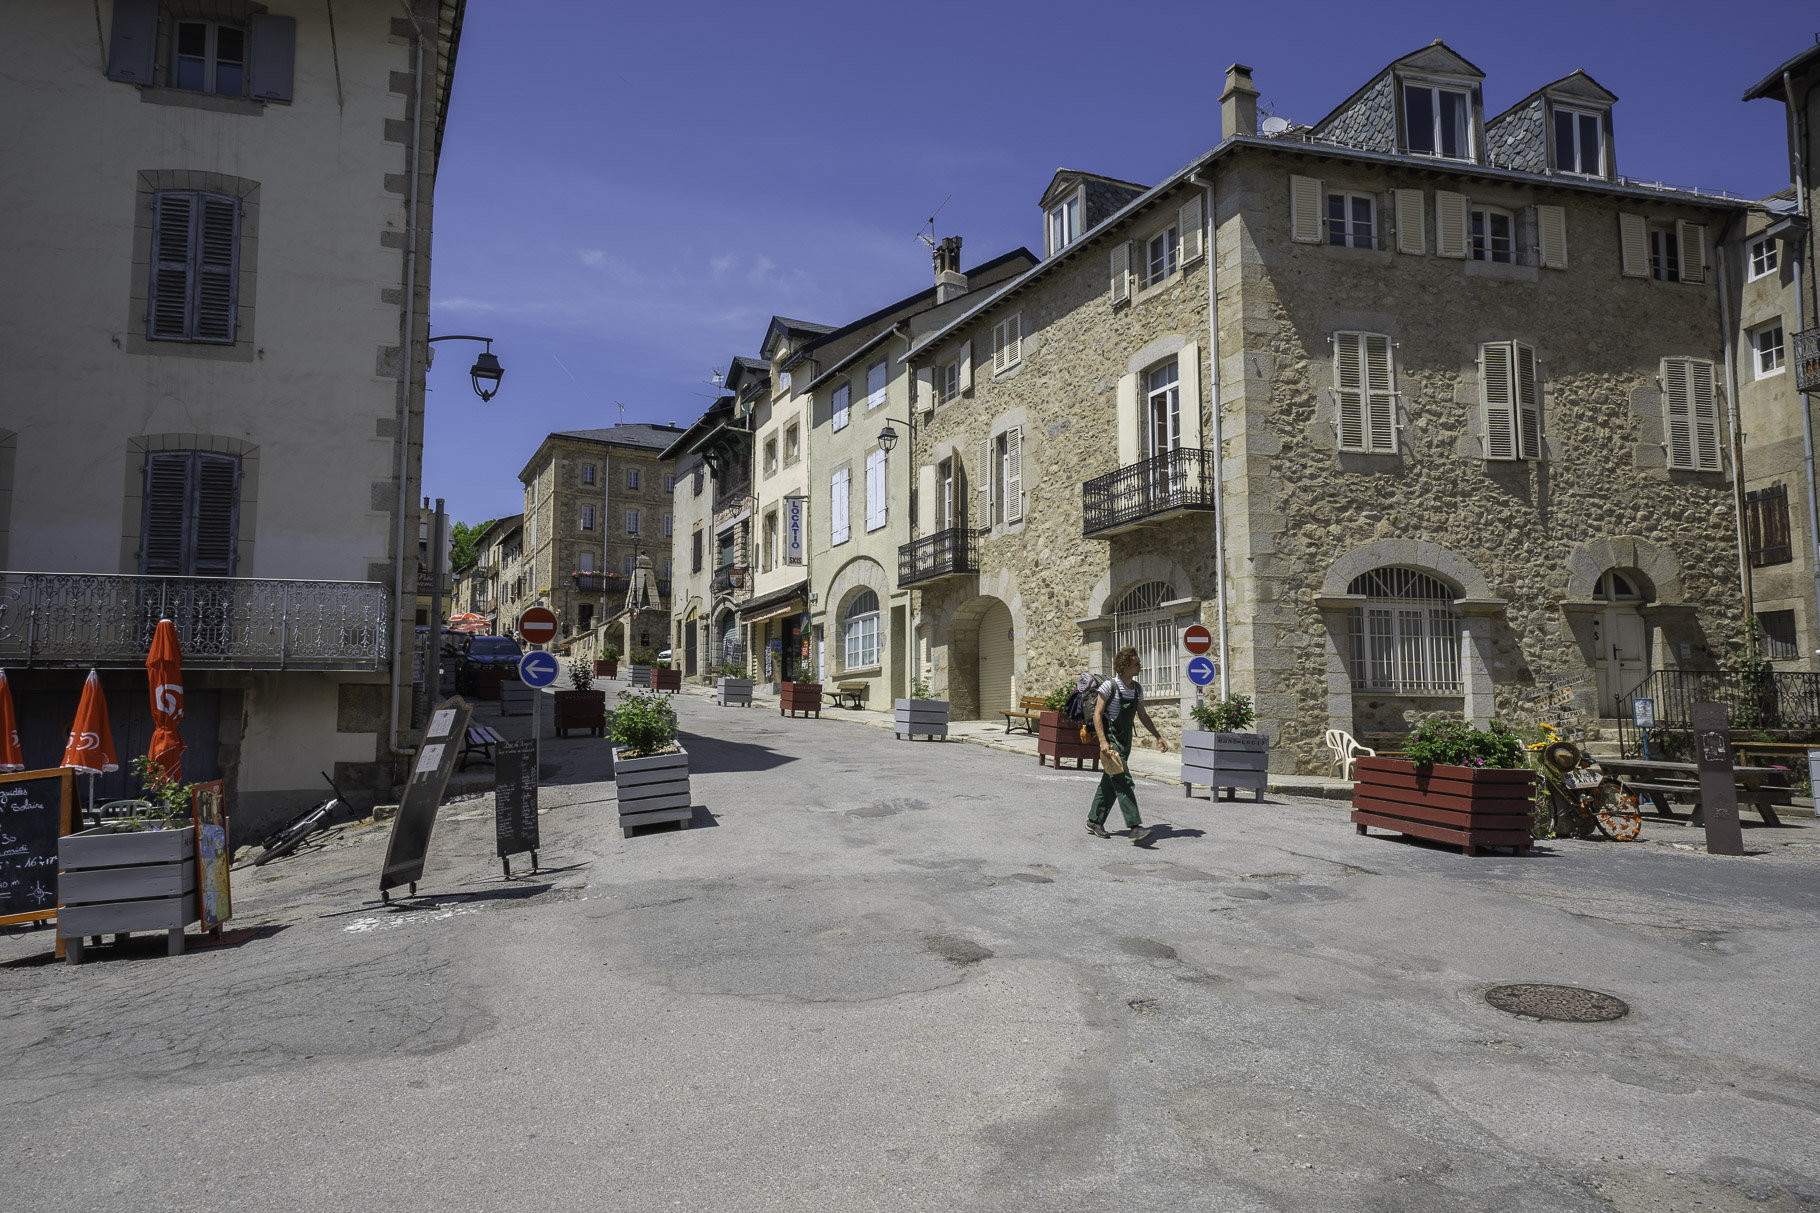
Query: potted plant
[[607, 664], [650, 767], [639, 673], [136, 873], [1059, 735], [1459, 784], [802, 697], [732, 689], [1220, 753], [663, 678], [919, 715], [582, 708]]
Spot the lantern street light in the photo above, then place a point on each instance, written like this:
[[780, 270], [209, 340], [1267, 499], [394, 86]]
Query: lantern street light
[[887, 437], [486, 372]]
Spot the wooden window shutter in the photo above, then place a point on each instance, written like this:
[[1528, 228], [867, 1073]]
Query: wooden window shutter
[[1551, 233], [837, 506], [875, 490], [1381, 394], [998, 347], [1633, 245], [925, 388], [965, 383], [1450, 224], [1014, 474], [1131, 426], [1703, 390], [272, 56], [217, 264], [1305, 210], [1691, 237], [1008, 342], [1188, 230], [132, 42], [173, 221], [1188, 385], [1528, 401], [1349, 387], [1121, 272], [1412, 221], [1498, 393], [217, 515], [1678, 412], [984, 467], [163, 518]]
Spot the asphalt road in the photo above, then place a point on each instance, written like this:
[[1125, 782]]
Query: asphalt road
[[880, 975]]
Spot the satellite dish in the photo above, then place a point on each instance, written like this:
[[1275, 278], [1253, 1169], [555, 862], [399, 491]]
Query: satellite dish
[[1274, 125]]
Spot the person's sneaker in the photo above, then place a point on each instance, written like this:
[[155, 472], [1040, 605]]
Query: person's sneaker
[[1097, 830], [1141, 834]]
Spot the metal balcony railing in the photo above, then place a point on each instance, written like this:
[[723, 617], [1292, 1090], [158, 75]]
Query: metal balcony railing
[[1807, 360], [1754, 701], [1164, 484], [101, 619], [950, 553], [599, 583]]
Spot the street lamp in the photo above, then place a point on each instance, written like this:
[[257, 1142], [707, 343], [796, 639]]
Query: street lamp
[[485, 371], [887, 437]]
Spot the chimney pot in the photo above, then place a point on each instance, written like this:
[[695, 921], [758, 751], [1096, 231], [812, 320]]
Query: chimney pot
[[949, 281], [1238, 104]]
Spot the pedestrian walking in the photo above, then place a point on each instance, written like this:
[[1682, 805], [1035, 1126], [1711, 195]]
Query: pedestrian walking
[[1122, 699]]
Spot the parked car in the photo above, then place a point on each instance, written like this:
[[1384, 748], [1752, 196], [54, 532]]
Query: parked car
[[664, 656], [486, 653]]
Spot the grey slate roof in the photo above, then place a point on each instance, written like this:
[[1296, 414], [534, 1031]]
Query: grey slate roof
[[632, 433]]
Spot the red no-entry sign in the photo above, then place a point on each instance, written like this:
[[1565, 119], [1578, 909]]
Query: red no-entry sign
[[538, 625], [1196, 639]]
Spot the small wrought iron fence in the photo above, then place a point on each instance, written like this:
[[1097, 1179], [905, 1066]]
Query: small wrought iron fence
[[1759, 701], [1807, 360], [1181, 479], [950, 553]]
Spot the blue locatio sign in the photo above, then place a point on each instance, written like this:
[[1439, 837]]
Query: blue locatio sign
[[538, 669], [1202, 672]]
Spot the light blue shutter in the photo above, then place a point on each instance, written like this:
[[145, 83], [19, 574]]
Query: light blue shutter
[[838, 506], [217, 265], [132, 43], [272, 57], [168, 310], [875, 490]]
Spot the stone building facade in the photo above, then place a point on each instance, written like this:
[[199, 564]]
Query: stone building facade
[[691, 550], [483, 585], [1456, 428]]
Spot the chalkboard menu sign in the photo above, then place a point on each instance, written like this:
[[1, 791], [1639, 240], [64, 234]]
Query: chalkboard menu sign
[[36, 809], [515, 798], [410, 841]]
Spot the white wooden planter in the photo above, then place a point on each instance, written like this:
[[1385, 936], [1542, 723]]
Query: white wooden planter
[[515, 699], [922, 718], [114, 882], [733, 692], [1225, 760], [639, 675], [652, 789]]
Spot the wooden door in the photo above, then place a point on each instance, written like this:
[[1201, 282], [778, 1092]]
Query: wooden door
[[995, 661]]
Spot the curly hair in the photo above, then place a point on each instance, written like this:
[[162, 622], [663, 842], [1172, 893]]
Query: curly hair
[[1127, 656]]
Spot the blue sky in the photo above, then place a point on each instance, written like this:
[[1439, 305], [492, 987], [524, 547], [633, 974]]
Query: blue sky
[[629, 192]]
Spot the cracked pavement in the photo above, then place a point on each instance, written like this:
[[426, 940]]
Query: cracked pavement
[[883, 975]]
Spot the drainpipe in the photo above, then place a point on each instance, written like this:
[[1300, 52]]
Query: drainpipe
[[1731, 417], [407, 361], [1219, 447], [1800, 249]]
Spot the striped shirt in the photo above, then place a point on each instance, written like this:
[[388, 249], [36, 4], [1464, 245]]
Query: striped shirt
[[1118, 694]]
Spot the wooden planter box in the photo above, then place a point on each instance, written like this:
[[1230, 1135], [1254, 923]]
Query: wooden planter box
[[606, 669], [921, 718], [666, 680], [486, 683], [1058, 737], [1225, 760], [652, 790], [113, 882], [584, 710], [515, 698], [733, 692], [638, 675], [799, 698], [1471, 807]]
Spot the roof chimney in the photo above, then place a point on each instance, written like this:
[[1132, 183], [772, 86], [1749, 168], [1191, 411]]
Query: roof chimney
[[1238, 104], [949, 281]]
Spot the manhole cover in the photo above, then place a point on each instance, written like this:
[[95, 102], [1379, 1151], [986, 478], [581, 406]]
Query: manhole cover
[[1567, 1004]]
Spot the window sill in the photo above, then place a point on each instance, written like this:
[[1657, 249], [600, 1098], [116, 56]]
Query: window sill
[[1347, 252], [1501, 270], [864, 671], [1143, 293], [1775, 374], [202, 101]]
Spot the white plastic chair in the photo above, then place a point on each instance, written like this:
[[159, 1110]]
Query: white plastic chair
[[1346, 751]]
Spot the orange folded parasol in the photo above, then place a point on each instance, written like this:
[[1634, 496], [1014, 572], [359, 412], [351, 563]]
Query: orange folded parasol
[[164, 671], [11, 757], [91, 743]]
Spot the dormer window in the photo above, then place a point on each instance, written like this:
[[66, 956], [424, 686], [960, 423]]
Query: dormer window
[[1579, 142], [1437, 121], [1064, 224]]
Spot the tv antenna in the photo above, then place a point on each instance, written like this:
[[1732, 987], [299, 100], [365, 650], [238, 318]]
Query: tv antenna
[[717, 379], [929, 227], [622, 411]]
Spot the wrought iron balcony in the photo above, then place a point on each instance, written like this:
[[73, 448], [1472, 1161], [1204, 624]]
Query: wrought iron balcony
[[1159, 487], [228, 623], [1807, 360], [950, 553], [599, 583]]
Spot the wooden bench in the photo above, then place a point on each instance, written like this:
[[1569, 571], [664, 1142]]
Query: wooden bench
[[1026, 714], [480, 740], [850, 695]]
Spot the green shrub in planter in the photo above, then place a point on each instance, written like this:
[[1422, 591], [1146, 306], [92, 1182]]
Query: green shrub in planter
[[581, 673], [1455, 743], [643, 724], [1231, 715]]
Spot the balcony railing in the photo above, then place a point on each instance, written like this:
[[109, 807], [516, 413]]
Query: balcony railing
[[84, 619], [1807, 360], [950, 553], [1160, 486], [599, 583]]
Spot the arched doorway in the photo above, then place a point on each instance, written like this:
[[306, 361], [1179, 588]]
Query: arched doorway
[[1620, 638], [996, 660]]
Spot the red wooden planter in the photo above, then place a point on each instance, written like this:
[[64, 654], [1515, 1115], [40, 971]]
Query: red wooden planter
[[1471, 807], [1058, 737], [584, 710], [486, 683], [800, 698], [606, 669], [666, 680]]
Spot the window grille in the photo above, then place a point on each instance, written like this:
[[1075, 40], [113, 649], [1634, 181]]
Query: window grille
[[1140, 621], [1405, 639]]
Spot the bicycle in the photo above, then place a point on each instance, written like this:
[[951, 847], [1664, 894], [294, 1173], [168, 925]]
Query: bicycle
[[1575, 791], [303, 825]]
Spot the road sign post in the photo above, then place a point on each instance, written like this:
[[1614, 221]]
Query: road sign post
[[537, 625], [537, 671], [1196, 641]]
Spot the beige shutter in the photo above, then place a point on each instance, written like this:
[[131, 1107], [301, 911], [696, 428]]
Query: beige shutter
[[1702, 390], [1130, 426], [1188, 228], [925, 498], [1305, 210], [1381, 394], [1412, 216], [1678, 412], [1692, 239], [925, 388], [1450, 224], [1014, 474], [1014, 340], [984, 468], [1188, 384], [1498, 394], [1528, 402], [1633, 245], [1121, 272], [1349, 386], [964, 382], [1551, 229]]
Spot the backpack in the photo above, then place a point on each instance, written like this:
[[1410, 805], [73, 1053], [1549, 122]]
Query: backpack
[[1079, 708]]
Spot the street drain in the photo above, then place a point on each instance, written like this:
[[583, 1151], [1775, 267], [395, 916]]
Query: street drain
[[1564, 1004]]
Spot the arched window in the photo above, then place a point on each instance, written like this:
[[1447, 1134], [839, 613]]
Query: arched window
[[861, 630], [1618, 587], [1140, 621], [1405, 639]]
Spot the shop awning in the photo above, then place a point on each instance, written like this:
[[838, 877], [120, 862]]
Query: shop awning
[[778, 602]]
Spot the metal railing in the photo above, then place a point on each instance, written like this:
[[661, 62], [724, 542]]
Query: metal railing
[[599, 583], [1181, 479], [1807, 360], [1754, 702], [102, 619], [950, 553]]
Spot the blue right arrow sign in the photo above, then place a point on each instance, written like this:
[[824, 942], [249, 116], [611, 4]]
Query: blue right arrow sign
[[1202, 672]]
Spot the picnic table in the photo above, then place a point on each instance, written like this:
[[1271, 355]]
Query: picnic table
[[1659, 780], [1792, 754]]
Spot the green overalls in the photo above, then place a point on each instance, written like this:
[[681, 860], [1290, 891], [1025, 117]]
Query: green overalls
[[1118, 787]]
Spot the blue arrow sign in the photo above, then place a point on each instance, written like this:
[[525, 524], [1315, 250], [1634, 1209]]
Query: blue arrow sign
[[538, 669], [1202, 672]]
